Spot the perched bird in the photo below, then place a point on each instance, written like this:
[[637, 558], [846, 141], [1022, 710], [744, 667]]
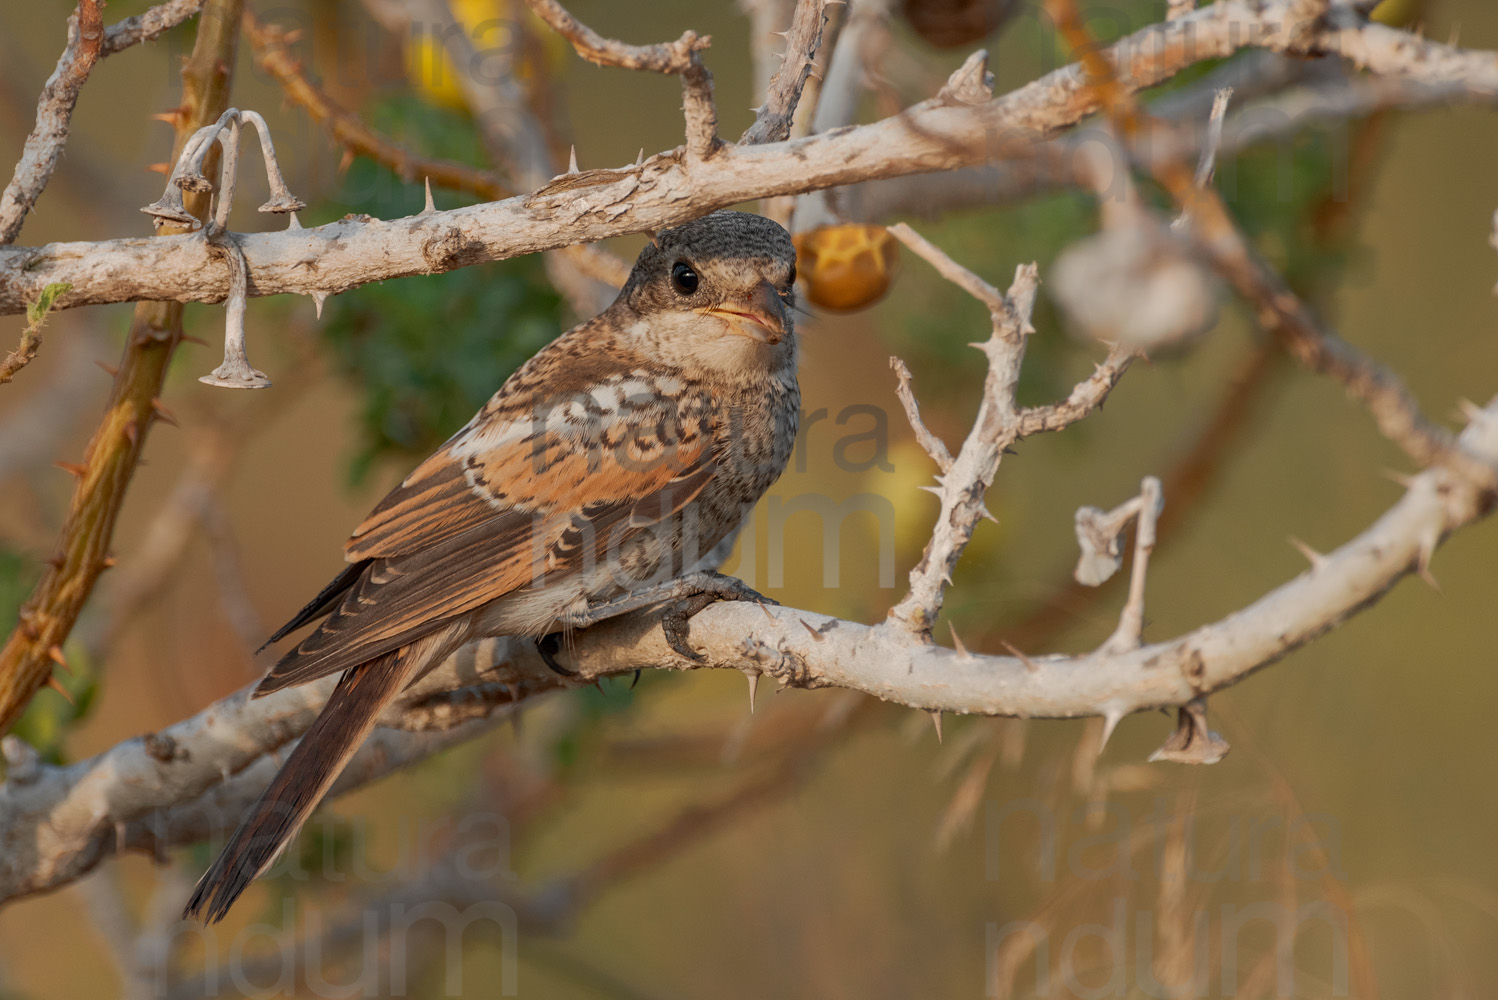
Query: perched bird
[[605, 468]]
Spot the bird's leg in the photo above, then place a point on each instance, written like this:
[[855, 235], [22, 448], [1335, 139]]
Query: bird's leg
[[687, 595]]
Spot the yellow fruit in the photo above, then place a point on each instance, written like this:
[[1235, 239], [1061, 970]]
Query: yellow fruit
[[430, 70], [848, 266]]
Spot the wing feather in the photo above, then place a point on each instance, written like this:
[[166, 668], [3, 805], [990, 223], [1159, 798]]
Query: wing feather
[[470, 526]]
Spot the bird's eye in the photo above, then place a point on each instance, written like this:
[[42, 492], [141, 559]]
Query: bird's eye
[[792, 279], [683, 278]]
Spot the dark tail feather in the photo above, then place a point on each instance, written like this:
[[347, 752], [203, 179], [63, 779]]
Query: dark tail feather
[[301, 783], [320, 605]]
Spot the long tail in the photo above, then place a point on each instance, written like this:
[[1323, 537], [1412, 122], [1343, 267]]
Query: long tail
[[349, 716]]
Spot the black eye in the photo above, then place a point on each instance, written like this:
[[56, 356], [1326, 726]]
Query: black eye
[[792, 279], [683, 278]]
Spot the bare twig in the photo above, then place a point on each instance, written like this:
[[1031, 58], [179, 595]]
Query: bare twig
[[144, 27], [679, 57], [54, 115], [930, 443], [772, 122], [967, 479], [1389, 401], [666, 57], [1130, 632]]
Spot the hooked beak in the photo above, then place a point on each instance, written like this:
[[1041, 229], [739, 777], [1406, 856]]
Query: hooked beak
[[762, 316]]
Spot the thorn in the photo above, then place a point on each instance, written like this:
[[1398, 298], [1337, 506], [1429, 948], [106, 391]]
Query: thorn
[[933, 490], [753, 689], [634, 680], [1110, 723], [132, 433], [1399, 477], [640, 160], [936, 721], [164, 169], [1470, 410], [962, 653], [1428, 542], [73, 467], [345, 161], [815, 635], [1010, 451], [765, 609], [1030, 664], [54, 653], [572, 160], [55, 560], [109, 370], [318, 298], [782, 34], [52, 683], [986, 513], [162, 413], [293, 222], [1316, 559], [171, 117], [108, 562], [430, 205], [190, 339]]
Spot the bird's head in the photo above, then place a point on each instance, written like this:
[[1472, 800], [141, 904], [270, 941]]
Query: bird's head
[[716, 292]]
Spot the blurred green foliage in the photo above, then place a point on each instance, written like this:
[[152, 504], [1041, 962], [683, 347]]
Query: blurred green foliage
[[426, 352]]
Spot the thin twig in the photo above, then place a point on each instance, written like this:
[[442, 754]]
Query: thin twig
[[54, 115], [929, 442], [773, 121], [1281, 311], [146, 26], [665, 57], [272, 46]]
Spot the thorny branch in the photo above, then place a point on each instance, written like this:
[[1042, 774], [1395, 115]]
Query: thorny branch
[[272, 45], [54, 115], [772, 122], [88, 41], [664, 189], [176, 785], [34, 647], [132, 788]]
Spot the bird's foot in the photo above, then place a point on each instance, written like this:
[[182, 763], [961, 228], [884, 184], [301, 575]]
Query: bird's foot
[[683, 597], [703, 589]]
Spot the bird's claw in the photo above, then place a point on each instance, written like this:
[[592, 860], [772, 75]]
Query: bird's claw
[[675, 622], [547, 646]]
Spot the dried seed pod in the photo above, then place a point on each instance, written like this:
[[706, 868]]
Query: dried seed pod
[[846, 266], [951, 24]]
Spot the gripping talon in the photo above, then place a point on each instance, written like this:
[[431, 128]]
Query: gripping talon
[[547, 646]]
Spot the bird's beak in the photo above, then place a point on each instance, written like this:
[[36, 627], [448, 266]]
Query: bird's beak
[[761, 316]]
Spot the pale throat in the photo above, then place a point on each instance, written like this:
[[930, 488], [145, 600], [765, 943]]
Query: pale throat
[[694, 341]]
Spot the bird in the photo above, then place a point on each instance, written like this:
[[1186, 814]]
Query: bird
[[598, 478]]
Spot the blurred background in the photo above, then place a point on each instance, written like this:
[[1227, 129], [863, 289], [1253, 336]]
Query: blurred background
[[661, 842]]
